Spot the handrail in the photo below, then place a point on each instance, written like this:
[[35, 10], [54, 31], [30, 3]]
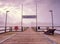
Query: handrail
[[4, 29]]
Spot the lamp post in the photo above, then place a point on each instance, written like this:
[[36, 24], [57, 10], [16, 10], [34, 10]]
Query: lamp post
[[6, 20], [52, 18]]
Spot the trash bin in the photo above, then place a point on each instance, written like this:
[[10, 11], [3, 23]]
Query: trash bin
[[38, 27]]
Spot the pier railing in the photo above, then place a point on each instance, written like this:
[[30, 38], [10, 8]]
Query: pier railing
[[39, 28]]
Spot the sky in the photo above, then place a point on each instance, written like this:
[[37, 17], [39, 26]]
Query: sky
[[29, 8]]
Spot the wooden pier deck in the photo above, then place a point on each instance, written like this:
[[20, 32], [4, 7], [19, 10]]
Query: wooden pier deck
[[27, 37]]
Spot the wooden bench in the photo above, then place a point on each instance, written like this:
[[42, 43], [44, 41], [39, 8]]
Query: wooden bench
[[50, 31]]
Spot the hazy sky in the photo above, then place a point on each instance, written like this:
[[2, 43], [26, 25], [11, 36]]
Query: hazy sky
[[29, 8]]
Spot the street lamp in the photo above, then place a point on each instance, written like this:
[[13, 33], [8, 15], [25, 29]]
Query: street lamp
[[52, 18], [6, 20]]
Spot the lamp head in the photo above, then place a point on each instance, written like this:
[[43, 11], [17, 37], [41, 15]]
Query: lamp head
[[7, 11], [50, 11]]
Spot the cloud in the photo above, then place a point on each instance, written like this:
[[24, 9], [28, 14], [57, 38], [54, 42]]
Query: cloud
[[55, 1], [29, 7], [11, 2]]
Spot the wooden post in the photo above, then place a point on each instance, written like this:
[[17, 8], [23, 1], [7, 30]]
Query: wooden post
[[22, 19], [36, 15]]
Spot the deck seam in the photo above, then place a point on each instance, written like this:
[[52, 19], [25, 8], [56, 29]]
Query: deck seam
[[7, 38], [50, 40]]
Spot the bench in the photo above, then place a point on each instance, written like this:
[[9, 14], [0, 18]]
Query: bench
[[50, 31]]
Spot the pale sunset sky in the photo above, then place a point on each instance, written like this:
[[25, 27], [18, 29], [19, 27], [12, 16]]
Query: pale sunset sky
[[29, 8]]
